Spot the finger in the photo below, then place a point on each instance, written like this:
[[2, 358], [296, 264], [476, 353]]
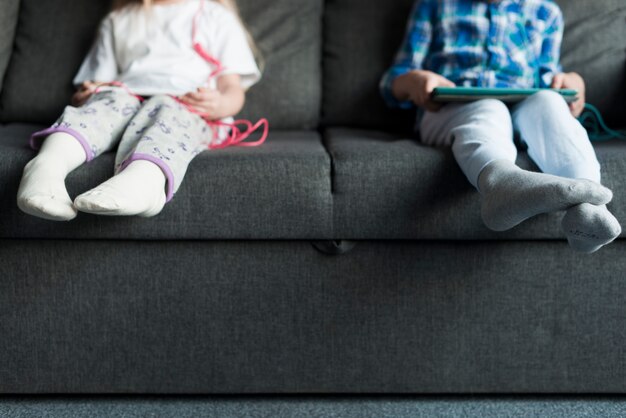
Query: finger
[[200, 96], [82, 95], [575, 108], [447, 83], [204, 90], [430, 85], [189, 99], [78, 99], [558, 81], [579, 108]]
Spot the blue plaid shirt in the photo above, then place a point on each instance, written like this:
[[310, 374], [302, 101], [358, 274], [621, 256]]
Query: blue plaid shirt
[[477, 43]]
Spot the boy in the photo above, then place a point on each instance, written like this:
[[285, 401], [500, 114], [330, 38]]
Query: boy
[[505, 43]]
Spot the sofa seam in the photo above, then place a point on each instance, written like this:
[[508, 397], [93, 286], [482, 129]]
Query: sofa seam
[[331, 159]]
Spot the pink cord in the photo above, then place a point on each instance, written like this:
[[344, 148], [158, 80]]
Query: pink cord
[[236, 136]]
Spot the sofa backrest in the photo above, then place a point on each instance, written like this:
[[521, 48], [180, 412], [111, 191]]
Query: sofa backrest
[[362, 37], [594, 45], [53, 36], [8, 22]]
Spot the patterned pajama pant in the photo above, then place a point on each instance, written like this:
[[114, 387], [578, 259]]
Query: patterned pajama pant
[[159, 130]]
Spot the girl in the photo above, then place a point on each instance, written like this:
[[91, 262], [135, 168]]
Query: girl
[[155, 73], [505, 43]]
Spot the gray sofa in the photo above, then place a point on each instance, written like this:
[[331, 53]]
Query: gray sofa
[[340, 257]]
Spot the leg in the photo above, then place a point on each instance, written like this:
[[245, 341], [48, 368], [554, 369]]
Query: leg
[[481, 134], [151, 161], [79, 135], [560, 146]]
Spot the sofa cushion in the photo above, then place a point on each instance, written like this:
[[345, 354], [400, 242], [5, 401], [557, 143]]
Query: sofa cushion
[[276, 191], [53, 37], [8, 21], [387, 186], [362, 37]]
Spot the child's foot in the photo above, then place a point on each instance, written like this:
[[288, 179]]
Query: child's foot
[[42, 191], [138, 190], [512, 195], [589, 227]]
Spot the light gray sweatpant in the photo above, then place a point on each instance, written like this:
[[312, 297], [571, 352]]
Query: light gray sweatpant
[[481, 132], [159, 130]]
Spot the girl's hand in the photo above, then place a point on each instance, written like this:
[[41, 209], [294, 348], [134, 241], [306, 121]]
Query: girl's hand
[[84, 92], [226, 101], [418, 86], [571, 81], [204, 100]]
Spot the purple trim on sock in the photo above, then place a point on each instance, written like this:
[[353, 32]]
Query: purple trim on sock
[[81, 139], [169, 176]]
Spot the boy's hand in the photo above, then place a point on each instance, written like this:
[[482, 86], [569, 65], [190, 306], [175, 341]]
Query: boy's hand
[[84, 92], [204, 100], [418, 85], [571, 81]]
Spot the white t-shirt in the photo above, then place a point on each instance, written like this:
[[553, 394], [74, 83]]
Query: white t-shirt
[[151, 52]]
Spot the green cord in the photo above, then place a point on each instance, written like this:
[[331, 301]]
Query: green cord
[[592, 120]]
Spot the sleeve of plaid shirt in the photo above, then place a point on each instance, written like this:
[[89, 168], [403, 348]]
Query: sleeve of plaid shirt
[[412, 52], [549, 57]]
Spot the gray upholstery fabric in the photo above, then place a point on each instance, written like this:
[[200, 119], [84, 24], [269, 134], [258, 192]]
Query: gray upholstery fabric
[[8, 21], [391, 187], [185, 317], [362, 36], [358, 185], [276, 191], [595, 46], [53, 37], [289, 34], [313, 406]]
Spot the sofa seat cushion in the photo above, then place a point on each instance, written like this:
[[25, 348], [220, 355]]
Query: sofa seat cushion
[[279, 190], [387, 186]]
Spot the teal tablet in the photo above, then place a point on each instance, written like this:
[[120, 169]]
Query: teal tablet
[[468, 94]]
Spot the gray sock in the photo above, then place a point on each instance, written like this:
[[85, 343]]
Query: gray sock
[[512, 195], [589, 227]]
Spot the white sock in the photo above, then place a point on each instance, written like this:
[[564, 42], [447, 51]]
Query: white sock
[[42, 191], [138, 190]]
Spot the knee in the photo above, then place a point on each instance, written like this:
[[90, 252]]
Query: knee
[[492, 106], [494, 109], [494, 114], [546, 99]]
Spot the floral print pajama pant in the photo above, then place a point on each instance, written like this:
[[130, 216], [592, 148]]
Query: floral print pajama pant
[[160, 130]]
